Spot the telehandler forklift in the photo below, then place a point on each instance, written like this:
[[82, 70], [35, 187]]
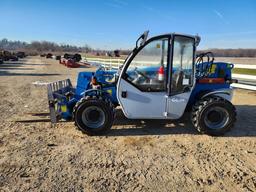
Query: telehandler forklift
[[160, 79]]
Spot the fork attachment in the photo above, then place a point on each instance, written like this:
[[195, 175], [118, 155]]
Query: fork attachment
[[58, 93]]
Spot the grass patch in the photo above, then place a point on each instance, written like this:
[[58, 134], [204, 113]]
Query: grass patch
[[244, 71]]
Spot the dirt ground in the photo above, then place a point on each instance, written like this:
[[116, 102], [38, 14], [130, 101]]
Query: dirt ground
[[134, 156]]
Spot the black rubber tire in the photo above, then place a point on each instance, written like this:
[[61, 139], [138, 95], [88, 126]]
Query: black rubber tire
[[58, 57], [77, 57], [106, 107], [199, 112]]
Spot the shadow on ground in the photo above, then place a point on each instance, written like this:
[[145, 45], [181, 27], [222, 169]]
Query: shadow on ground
[[15, 68], [7, 73], [21, 64], [244, 126], [7, 67]]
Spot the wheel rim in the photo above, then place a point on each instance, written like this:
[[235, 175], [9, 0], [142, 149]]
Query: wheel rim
[[93, 117], [216, 118]]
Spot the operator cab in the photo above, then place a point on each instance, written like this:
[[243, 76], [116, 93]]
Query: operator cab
[[159, 70]]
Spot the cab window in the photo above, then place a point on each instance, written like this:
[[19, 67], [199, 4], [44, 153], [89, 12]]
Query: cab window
[[147, 70], [182, 64]]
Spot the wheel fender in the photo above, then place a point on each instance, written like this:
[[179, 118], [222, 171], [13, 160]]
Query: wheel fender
[[97, 92], [223, 93]]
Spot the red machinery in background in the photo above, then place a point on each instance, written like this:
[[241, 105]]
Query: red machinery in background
[[71, 61]]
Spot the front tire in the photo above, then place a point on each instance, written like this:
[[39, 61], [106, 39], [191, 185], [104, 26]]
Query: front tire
[[213, 116], [93, 116]]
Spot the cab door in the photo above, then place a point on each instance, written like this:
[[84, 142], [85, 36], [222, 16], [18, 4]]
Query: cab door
[[142, 86], [182, 76]]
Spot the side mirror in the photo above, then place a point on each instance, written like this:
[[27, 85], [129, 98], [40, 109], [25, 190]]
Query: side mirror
[[142, 39], [197, 40]]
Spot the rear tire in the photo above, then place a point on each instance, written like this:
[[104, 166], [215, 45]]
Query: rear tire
[[213, 116], [93, 116]]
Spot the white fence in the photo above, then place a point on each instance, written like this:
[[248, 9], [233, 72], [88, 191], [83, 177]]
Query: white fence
[[113, 63], [244, 66], [244, 86], [245, 81], [107, 63]]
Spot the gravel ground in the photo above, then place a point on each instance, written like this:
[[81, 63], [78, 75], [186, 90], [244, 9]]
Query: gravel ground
[[134, 156]]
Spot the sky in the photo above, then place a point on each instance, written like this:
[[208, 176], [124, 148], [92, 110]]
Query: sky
[[116, 24]]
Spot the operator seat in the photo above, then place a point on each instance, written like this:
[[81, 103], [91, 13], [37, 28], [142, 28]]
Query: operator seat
[[178, 81]]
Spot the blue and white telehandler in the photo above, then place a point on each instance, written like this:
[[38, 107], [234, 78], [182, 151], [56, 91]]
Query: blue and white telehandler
[[160, 79]]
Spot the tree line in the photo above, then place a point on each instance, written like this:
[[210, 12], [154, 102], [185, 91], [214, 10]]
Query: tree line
[[37, 47], [232, 52]]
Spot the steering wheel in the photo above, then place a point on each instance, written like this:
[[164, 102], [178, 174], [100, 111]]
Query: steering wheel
[[142, 74]]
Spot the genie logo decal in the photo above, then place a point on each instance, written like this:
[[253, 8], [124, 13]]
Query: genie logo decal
[[178, 100]]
